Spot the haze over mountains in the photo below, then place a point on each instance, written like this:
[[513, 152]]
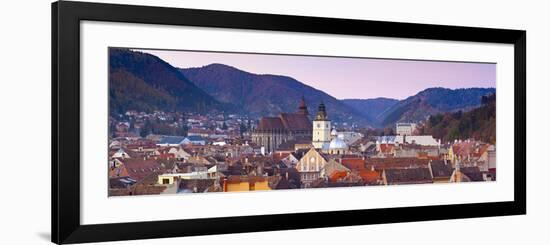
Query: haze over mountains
[[140, 81], [261, 95], [431, 101], [371, 108]]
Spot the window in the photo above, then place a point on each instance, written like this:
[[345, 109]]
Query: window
[[165, 181]]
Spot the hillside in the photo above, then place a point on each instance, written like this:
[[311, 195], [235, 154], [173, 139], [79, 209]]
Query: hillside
[[371, 108], [263, 95], [432, 101], [140, 81], [144, 82], [479, 123]]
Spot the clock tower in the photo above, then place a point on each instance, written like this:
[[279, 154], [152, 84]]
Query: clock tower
[[321, 128]]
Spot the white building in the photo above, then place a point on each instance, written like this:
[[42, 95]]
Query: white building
[[349, 137], [423, 140], [170, 178], [405, 128], [321, 129], [337, 146]]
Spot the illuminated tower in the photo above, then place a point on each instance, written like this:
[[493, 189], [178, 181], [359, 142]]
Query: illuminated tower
[[321, 129]]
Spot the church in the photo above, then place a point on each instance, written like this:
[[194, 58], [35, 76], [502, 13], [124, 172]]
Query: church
[[271, 132], [297, 128]]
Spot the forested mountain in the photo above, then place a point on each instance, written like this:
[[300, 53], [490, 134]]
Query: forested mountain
[[479, 123], [140, 81], [262, 95], [144, 82], [432, 101], [371, 108]]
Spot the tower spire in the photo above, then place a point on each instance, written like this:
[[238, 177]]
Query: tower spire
[[321, 113], [302, 108]]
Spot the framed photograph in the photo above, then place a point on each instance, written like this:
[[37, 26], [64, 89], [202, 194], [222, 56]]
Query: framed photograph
[[176, 122]]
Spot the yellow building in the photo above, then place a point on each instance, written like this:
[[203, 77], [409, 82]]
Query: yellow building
[[246, 183]]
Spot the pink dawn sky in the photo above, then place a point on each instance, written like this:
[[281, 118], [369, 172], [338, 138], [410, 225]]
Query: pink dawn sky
[[348, 78]]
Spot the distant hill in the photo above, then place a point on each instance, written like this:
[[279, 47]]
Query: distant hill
[[432, 101], [371, 108], [263, 95], [144, 82], [479, 123]]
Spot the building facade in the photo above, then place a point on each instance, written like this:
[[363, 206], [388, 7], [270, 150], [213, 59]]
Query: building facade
[[273, 131], [405, 128], [310, 167]]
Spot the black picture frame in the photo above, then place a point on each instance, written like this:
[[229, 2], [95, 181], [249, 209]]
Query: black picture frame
[[66, 18]]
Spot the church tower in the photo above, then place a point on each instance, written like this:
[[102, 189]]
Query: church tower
[[302, 108], [321, 129]]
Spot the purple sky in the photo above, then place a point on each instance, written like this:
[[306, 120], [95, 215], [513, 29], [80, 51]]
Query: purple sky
[[347, 78]]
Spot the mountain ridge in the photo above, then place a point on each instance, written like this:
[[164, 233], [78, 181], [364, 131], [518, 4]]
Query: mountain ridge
[[133, 74], [260, 94], [432, 101], [371, 108], [141, 81]]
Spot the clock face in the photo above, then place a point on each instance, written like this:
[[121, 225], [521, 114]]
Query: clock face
[[312, 160]]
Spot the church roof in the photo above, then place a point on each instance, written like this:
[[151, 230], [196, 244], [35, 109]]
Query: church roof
[[288, 121], [295, 121], [270, 123]]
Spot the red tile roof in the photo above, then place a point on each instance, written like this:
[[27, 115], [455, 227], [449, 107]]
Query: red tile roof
[[337, 175], [354, 163], [279, 156], [482, 149], [370, 176], [395, 162], [386, 148], [463, 149], [138, 169]]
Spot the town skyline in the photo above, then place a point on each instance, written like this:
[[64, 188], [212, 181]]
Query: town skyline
[[220, 129], [357, 78]]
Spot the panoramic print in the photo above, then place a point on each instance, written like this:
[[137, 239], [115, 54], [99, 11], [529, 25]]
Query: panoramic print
[[183, 122]]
